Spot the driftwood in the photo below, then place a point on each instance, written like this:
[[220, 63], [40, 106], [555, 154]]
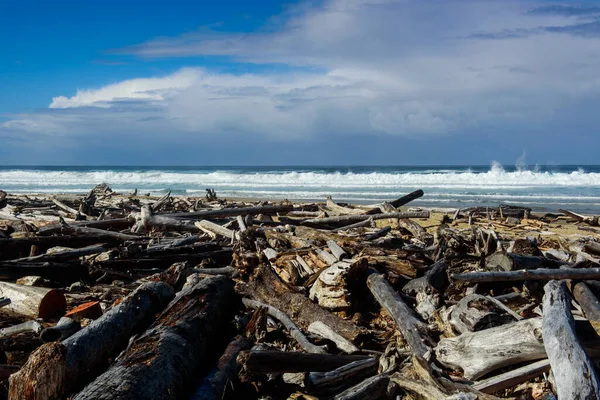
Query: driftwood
[[503, 261], [161, 363], [476, 312], [319, 328], [65, 328], [267, 361], [32, 301], [540, 274], [589, 303], [215, 229], [347, 219], [330, 290], [228, 212], [266, 287], [56, 369], [289, 325], [34, 326], [407, 198], [411, 327], [370, 389], [341, 378], [574, 373], [215, 385], [336, 209], [512, 378], [478, 353]]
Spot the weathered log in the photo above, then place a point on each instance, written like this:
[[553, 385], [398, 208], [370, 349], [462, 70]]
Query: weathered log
[[266, 287], [540, 274], [56, 369], [475, 312], [232, 212], [373, 388], [161, 363], [589, 303], [574, 374], [117, 224], [32, 301], [367, 222], [339, 253], [503, 261], [66, 327], [268, 361], [319, 328], [146, 221], [34, 326], [434, 280], [89, 310], [68, 209], [342, 377], [580, 217], [478, 353], [330, 290], [100, 233], [411, 327], [355, 218], [336, 209], [512, 378], [289, 325], [214, 386], [379, 234], [63, 255], [215, 229], [407, 198]]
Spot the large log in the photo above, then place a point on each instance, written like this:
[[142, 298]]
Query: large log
[[407, 198], [574, 374], [267, 361], [348, 219], [410, 326], [160, 363], [32, 301], [232, 212], [541, 274], [55, 370], [265, 286], [478, 353], [589, 304], [503, 261]]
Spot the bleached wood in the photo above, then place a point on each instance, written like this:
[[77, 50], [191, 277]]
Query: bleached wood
[[319, 328]]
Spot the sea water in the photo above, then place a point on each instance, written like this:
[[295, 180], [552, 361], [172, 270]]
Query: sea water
[[539, 187]]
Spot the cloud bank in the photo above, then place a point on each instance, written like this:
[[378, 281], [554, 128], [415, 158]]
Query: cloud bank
[[369, 69]]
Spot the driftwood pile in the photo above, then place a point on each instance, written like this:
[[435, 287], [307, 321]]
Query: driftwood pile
[[107, 296]]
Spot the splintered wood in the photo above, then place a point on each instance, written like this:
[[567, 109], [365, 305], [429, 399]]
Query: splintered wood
[[125, 296]]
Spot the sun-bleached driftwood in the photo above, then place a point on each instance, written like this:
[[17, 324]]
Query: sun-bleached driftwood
[[367, 222], [215, 229], [100, 233], [161, 362], [55, 369], [580, 217], [65, 328], [267, 361], [475, 312], [512, 378], [68, 209], [319, 328], [289, 325], [229, 212], [478, 353], [33, 301], [503, 261], [411, 327], [339, 253], [146, 221], [574, 373], [341, 378], [330, 289], [434, 280], [370, 389], [541, 274], [215, 384], [336, 209], [34, 326], [326, 256], [356, 218]]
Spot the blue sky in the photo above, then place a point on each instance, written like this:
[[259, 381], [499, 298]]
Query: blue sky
[[299, 82]]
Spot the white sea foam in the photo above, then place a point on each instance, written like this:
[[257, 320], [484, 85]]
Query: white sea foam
[[496, 177]]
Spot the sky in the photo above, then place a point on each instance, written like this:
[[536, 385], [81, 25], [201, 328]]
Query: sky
[[305, 82]]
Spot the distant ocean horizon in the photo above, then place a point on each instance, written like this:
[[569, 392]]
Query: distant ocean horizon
[[541, 187]]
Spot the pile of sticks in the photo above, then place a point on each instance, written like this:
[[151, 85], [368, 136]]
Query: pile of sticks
[[109, 296]]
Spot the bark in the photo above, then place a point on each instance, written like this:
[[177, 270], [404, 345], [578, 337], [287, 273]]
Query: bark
[[32, 301], [574, 374], [161, 363], [55, 370]]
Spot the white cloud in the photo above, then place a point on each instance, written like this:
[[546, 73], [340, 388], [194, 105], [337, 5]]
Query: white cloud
[[405, 67]]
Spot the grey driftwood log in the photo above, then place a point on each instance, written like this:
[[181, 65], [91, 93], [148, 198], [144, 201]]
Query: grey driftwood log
[[574, 374]]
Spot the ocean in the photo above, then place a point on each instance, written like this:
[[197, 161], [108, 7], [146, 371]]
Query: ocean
[[543, 188]]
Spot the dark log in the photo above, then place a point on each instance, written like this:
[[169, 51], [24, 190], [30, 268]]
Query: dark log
[[99, 233], [7, 370], [503, 261], [540, 274], [592, 248], [367, 222], [214, 386], [265, 286], [373, 388], [63, 255], [380, 233], [406, 321], [574, 374], [66, 327], [347, 219], [116, 224], [512, 378], [63, 273], [231, 212], [161, 363], [434, 280], [32, 301], [268, 361], [407, 198], [56, 369], [342, 377]]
